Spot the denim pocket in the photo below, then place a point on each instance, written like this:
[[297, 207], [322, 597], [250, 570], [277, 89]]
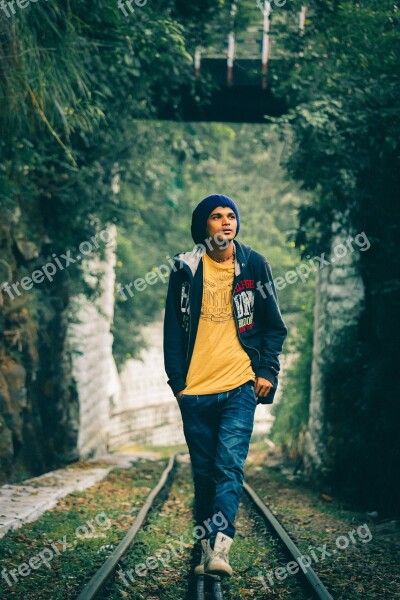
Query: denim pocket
[[253, 388], [243, 404], [186, 397]]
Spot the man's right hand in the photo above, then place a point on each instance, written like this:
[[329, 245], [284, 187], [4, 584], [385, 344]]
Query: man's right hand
[[179, 394]]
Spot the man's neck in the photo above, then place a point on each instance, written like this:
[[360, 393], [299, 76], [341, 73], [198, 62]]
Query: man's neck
[[221, 254]]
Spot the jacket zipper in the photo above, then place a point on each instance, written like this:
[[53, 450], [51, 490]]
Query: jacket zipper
[[190, 326], [190, 317], [236, 324]]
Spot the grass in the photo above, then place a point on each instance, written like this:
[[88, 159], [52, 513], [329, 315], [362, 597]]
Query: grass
[[159, 564], [365, 566], [84, 527], [160, 451], [171, 578]]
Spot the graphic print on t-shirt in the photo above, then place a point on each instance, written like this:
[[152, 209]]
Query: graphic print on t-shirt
[[219, 361], [216, 305]]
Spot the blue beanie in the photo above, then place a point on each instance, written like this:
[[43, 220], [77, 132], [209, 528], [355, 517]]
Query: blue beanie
[[202, 212]]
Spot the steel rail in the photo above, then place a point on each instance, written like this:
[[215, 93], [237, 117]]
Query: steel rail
[[314, 581], [99, 579]]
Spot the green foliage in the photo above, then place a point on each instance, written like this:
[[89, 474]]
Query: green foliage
[[73, 79], [343, 85], [192, 161], [291, 413]]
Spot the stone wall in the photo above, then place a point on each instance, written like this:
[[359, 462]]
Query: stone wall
[[93, 366], [339, 304], [13, 404], [22, 449], [147, 412], [61, 397]]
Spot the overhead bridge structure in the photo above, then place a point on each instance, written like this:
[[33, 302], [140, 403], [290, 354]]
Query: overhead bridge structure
[[241, 69]]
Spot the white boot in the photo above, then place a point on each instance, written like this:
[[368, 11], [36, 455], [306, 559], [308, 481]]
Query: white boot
[[205, 550], [216, 562]]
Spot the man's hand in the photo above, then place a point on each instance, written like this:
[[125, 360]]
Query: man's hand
[[179, 394], [262, 387]]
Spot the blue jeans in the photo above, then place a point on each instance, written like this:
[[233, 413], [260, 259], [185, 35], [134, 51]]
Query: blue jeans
[[217, 430]]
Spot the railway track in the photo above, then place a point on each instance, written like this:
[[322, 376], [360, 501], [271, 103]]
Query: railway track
[[202, 587]]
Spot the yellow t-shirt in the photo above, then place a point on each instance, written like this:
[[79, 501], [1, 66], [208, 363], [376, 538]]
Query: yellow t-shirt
[[219, 362]]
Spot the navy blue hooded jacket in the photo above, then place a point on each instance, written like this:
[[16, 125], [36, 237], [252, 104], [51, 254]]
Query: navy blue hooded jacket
[[259, 323]]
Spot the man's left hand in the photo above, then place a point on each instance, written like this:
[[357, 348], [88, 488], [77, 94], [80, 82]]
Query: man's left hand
[[262, 387]]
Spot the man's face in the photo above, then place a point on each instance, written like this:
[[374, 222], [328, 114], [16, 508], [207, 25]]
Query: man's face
[[222, 224]]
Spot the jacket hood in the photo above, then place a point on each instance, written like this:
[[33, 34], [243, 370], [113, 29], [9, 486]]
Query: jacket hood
[[193, 257]]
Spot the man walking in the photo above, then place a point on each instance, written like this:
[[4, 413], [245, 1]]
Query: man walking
[[223, 333]]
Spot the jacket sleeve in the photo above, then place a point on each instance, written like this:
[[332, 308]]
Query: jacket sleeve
[[274, 328], [173, 346]]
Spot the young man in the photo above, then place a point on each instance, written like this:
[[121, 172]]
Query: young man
[[223, 333]]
